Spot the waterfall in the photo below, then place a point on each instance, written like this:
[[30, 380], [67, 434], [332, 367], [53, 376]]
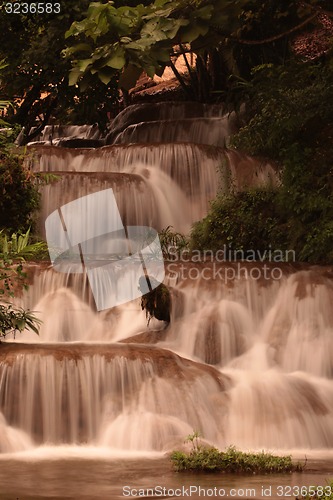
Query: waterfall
[[212, 131], [162, 111], [13, 440], [143, 176], [242, 367], [246, 360], [77, 131], [142, 196], [83, 394]]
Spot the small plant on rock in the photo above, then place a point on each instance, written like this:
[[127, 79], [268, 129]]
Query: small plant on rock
[[210, 459]]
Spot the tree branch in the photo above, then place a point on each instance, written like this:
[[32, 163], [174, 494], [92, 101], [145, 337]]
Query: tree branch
[[189, 69], [180, 79], [276, 37]]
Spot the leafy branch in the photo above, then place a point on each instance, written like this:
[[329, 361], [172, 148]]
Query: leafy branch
[[13, 320]]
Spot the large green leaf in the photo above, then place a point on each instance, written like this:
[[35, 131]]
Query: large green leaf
[[117, 59], [172, 28], [142, 44], [153, 29], [84, 63], [165, 12], [74, 75]]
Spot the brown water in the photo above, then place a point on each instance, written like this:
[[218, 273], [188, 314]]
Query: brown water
[[93, 476]]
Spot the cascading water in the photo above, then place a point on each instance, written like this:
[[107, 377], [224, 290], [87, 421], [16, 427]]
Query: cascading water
[[84, 394], [77, 131], [246, 361], [213, 131], [142, 196], [239, 330]]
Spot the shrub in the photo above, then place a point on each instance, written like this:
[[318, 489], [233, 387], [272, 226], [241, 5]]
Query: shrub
[[286, 105], [210, 459], [289, 119], [13, 319], [19, 197], [21, 247], [247, 220]]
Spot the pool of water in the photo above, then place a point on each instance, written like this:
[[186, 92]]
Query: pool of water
[[69, 474]]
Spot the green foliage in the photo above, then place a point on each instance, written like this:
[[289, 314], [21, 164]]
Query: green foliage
[[12, 277], [5, 131], [210, 459], [112, 42], [19, 194], [36, 74], [19, 246], [283, 106], [290, 120], [13, 320], [263, 21], [228, 36], [172, 241], [142, 37], [3, 106], [248, 220]]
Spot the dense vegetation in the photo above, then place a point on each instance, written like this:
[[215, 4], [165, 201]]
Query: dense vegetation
[[18, 202], [232, 461], [12, 281], [35, 78], [227, 37], [19, 195], [289, 119]]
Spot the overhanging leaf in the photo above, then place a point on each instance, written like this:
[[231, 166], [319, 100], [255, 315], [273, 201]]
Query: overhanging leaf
[[84, 63], [117, 60], [105, 75], [74, 75]]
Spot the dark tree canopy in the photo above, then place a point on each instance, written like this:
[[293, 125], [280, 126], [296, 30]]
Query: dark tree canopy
[[69, 66], [227, 36], [36, 76]]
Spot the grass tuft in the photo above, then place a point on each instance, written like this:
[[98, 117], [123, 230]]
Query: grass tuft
[[210, 459]]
